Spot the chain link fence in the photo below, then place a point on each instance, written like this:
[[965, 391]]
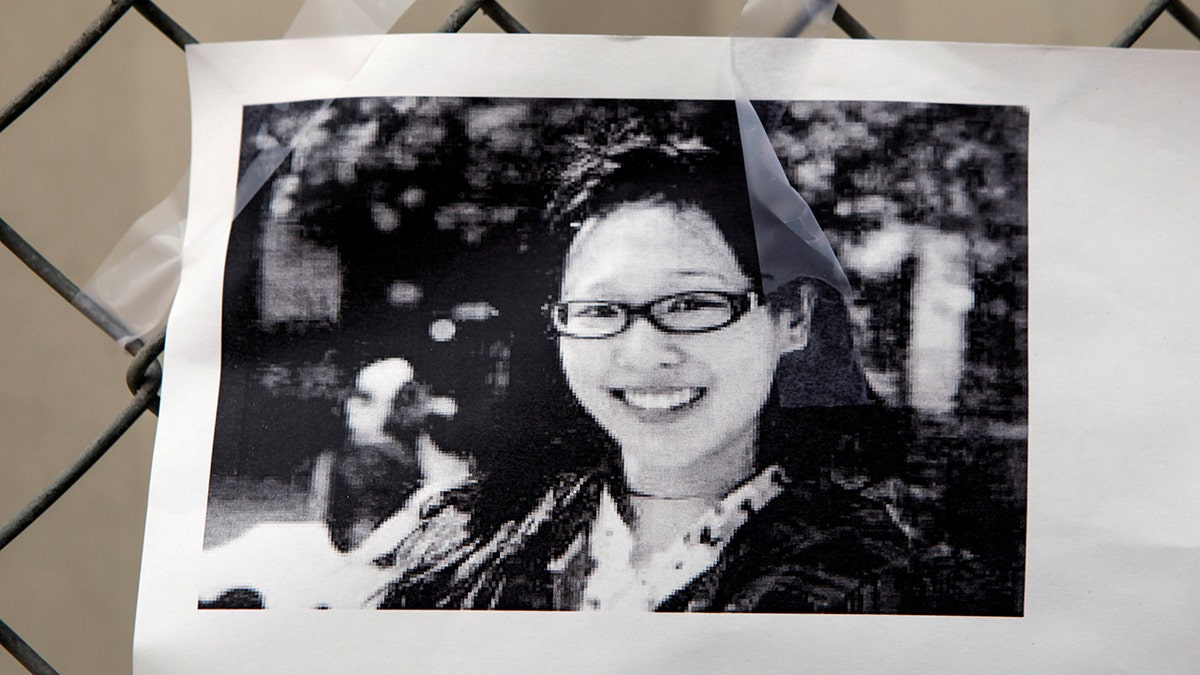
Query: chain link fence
[[143, 375]]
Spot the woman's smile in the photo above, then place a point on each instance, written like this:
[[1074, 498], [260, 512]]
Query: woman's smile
[[664, 399]]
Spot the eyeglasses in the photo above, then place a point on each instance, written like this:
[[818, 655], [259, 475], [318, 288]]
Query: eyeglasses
[[689, 312]]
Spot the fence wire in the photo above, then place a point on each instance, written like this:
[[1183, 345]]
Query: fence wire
[[144, 374]]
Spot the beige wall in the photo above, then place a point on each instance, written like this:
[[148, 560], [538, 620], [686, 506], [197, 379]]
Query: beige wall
[[111, 140]]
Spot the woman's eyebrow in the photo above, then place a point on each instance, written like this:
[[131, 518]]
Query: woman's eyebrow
[[613, 290], [700, 273]]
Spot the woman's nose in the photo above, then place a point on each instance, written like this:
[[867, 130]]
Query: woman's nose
[[644, 346]]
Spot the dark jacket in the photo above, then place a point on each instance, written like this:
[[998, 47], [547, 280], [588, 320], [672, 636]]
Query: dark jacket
[[817, 547]]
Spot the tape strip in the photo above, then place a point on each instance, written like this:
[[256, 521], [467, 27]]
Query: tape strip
[[791, 243], [138, 280]]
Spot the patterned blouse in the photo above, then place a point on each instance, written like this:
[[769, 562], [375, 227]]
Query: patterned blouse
[[772, 545]]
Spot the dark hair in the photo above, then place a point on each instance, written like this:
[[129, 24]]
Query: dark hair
[[710, 179]]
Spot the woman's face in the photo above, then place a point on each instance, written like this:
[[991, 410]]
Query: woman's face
[[672, 401]]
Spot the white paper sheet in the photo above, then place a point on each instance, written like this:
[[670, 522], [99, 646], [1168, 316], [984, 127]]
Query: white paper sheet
[[1112, 538]]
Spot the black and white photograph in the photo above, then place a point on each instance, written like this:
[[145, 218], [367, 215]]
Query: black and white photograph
[[505, 353]]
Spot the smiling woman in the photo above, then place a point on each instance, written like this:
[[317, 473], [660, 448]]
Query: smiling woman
[[668, 343], [681, 403]]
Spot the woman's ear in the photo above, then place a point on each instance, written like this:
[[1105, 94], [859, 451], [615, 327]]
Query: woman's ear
[[794, 323]]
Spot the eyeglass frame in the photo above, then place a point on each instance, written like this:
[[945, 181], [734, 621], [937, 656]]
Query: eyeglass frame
[[740, 304]]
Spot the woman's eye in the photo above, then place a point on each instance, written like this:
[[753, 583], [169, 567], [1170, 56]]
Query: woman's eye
[[693, 303], [596, 311]]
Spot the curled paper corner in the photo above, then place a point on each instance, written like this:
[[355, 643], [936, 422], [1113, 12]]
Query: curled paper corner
[[791, 243]]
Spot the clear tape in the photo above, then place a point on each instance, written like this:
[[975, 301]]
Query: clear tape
[[323, 18], [784, 18], [791, 243], [138, 280]]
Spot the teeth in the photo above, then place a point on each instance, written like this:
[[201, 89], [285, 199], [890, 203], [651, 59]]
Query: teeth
[[661, 399]]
